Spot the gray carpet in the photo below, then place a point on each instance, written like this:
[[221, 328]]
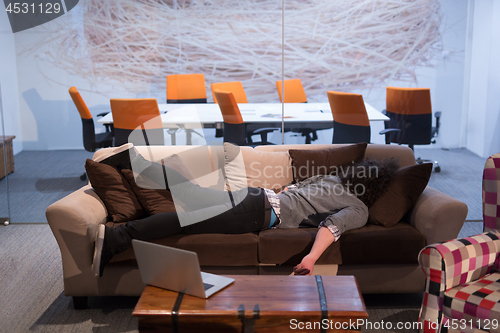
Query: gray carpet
[[32, 297], [460, 177], [31, 293], [40, 179]]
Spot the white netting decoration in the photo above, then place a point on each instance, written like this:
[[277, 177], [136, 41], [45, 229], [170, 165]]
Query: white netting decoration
[[329, 45]]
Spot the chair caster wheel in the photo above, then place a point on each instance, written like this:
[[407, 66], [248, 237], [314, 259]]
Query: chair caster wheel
[[437, 169], [83, 177]]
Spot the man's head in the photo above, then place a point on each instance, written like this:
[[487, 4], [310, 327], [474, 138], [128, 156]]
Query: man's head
[[368, 179]]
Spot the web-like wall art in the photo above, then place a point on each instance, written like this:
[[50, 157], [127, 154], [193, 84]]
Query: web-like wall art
[[341, 44]]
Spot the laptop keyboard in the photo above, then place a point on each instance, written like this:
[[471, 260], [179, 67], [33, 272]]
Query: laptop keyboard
[[207, 286]]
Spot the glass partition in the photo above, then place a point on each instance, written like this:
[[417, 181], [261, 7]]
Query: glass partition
[[358, 47], [126, 50], [6, 167]]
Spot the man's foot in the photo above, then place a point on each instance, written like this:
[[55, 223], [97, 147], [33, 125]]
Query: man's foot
[[102, 254]]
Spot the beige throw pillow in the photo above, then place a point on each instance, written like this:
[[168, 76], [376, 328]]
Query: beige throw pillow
[[245, 167]]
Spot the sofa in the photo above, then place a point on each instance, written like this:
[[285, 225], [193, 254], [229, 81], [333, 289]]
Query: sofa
[[384, 259]]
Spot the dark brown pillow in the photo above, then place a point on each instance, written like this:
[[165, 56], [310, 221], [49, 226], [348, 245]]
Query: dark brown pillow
[[154, 201], [149, 185], [115, 191], [401, 195], [308, 162]]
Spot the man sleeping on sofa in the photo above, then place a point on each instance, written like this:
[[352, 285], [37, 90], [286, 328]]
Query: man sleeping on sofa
[[333, 203]]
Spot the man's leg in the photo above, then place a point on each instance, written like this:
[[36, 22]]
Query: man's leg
[[111, 240], [247, 216], [192, 195]]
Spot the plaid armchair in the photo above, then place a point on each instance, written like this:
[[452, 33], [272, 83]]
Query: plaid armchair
[[462, 292]]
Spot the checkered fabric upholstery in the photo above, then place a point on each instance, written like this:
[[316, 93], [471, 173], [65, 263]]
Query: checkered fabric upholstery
[[451, 264], [477, 302], [491, 188]]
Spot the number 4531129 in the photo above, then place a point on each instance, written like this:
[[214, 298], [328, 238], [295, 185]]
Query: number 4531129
[[25, 8]]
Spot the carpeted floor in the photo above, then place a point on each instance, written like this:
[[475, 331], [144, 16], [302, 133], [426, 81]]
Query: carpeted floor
[[40, 179], [32, 297]]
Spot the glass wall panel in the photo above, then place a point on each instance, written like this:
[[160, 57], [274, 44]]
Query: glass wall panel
[[125, 49], [359, 47], [6, 167]]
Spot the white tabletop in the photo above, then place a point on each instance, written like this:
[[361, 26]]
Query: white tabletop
[[295, 114]]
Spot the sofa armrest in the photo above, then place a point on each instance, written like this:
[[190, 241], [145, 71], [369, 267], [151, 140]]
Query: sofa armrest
[[450, 264], [73, 221], [438, 216]]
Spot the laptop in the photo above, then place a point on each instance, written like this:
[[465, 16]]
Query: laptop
[[175, 269]]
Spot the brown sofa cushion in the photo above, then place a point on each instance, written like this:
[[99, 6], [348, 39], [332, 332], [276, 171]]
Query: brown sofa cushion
[[114, 191], [399, 244], [372, 244], [289, 246], [307, 163], [212, 249], [401, 195]]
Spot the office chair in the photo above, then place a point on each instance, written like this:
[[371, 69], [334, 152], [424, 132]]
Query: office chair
[[294, 93], [350, 120], [133, 115], [410, 111], [91, 140], [185, 89], [235, 130], [235, 87]]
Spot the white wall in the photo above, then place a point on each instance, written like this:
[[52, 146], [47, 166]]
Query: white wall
[[49, 118], [483, 118], [9, 84]]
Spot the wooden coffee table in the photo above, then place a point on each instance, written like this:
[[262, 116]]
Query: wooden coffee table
[[258, 303]]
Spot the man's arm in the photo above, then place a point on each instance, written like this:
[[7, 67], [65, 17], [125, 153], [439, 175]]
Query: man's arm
[[329, 231], [324, 238]]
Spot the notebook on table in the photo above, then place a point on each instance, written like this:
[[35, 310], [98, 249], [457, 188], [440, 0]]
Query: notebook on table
[[175, 269]]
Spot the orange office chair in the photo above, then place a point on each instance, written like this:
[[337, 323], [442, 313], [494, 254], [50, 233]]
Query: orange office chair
[[235, 87], [235, 130], [186, 88], [294, 91], [138, 121], [350, 120], [91, 140], [410, 111]]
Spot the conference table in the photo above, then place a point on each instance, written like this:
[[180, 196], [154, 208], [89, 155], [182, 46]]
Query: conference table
[[313, 116]]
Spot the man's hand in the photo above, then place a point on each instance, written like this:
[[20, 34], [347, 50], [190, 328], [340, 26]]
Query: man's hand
[[305, 267], [322, 241]]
